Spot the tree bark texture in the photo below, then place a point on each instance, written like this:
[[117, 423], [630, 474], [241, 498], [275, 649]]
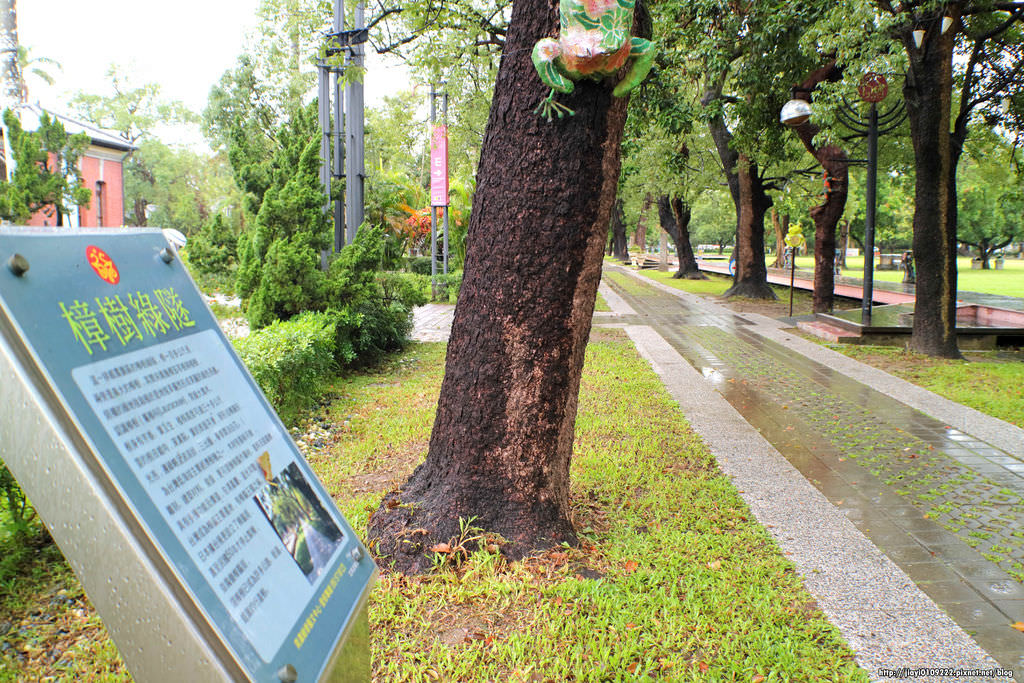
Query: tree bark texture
[[641, 224], [826, 215], [928, 96], [751, 201], [751, 279], [674, 215], [10, 90], [620, 245], [501, 445], [780, 225]]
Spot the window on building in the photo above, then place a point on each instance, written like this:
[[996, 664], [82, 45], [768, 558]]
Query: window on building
[[100, 186]]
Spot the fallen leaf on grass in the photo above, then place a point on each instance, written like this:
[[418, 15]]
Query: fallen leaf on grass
[[631, 668], [630, 566], [715, 565], [703, 666], [758, 678]]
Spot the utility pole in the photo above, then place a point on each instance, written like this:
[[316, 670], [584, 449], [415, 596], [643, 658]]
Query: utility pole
[[339, 144], [323, 113], [10, 74], [355, 169], [348, 146]]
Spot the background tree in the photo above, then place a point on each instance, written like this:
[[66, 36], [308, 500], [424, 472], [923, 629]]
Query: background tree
[[745, 56], [502, 440], [991, 201], [969, 60], [826, 215], [10, 71], [46, 176]]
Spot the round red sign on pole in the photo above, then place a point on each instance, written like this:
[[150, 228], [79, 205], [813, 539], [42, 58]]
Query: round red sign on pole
[[873, 87]]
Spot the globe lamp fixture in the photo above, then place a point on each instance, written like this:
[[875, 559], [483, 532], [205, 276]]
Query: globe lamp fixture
[[795, 112]]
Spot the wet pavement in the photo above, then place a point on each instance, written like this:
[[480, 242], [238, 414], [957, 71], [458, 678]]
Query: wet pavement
[[944, 505]]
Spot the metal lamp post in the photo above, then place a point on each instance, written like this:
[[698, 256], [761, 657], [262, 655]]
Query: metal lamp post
[[873, 89]]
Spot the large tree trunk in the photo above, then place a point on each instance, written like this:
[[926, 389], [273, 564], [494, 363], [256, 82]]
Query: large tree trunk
[[844, 241], [10, 71], [751, 279], [928, 96], [751, 201], [674, 215], [781, 226], [827, 214], [641, 225], [502, 440], [620, 245]]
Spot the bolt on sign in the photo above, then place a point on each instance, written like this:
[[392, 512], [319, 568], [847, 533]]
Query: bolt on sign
[[207, 544], [439, 166]]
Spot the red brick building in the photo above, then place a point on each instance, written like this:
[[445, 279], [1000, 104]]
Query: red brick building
[[102, 167]]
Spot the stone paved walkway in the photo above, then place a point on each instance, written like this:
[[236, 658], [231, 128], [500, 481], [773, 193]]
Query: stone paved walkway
[[944, 504], [936, 487]]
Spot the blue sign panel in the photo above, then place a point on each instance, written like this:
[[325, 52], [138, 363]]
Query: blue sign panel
[[114, 323]]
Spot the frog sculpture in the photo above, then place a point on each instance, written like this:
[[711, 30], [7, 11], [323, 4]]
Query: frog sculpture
[[594, 41]]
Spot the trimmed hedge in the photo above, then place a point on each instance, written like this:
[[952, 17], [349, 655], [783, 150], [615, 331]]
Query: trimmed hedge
[[290, 359]]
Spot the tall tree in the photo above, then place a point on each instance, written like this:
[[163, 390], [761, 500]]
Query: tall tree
[[826, 215], [46, 176], [619, 244], [10, 71], [991, 201], [502, 440], [745, 56], [970, 58], [675, 220]]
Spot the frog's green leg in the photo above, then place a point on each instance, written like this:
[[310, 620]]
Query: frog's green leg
[[548, 108], [644, 52], [545, 53]]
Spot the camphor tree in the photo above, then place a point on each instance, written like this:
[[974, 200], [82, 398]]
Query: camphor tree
[[502, 438], [991, 201], [826, 215], [745, 56], [667, 160], [969, 60], [46, 176]]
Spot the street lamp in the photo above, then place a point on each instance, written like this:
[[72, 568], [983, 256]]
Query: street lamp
[[873, 89]]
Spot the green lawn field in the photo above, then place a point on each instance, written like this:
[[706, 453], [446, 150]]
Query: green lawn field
[[1009, 281]]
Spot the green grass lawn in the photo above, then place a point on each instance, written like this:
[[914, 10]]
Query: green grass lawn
[[673, 579], [1009, 281]]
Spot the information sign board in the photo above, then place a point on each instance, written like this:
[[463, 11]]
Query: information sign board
[[113, 325]]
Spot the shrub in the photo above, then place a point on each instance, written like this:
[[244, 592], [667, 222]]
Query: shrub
[[448, 286], [212, 249], [406, 289], [289, 359], [420, 265], [289, 283]]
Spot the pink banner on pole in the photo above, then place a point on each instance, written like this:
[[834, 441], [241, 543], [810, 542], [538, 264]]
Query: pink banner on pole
[[439, 166]]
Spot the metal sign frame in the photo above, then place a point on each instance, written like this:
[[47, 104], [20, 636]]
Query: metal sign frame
[[161, 609]]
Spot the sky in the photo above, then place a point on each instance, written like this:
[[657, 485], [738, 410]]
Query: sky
[[184, 45]]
